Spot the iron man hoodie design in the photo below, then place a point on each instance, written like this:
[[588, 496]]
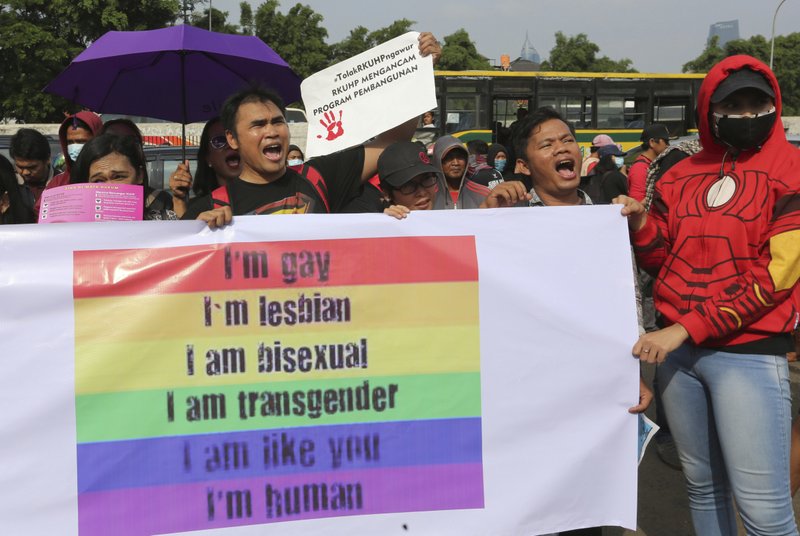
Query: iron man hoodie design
[[723, 234]]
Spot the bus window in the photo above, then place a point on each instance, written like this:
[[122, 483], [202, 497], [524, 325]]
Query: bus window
[[504, 114], [622, 104], [672, 106], [466, 106], [571, 98], [671, 113]]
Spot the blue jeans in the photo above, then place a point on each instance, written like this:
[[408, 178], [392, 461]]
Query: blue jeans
[[730, 417]]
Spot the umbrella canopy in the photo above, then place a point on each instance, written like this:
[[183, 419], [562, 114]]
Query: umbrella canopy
[[180, 74]]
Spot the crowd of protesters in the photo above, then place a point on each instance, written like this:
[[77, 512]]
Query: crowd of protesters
[[714, 226]]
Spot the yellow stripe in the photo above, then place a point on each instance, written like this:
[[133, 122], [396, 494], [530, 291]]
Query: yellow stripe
[[734, 314], [558, 75], [165, 317], [762, 299], [784, 268], [159, 364]]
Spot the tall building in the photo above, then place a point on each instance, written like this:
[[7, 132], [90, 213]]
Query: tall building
[[726, 31], [529, 53], [529, 59]]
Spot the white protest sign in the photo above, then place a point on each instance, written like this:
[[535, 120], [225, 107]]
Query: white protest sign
[[357, 99], [483, 379]]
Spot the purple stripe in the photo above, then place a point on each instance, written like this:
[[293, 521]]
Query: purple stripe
[[165, 509], [213, 457]]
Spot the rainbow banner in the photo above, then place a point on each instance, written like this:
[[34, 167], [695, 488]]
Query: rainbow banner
[[257, 382]]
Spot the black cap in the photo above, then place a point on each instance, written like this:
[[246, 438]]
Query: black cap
[[656, 131], [743, 78], [612, 149], [402, 161]]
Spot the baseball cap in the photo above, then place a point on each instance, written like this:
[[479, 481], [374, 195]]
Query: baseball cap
[[402, 161], [743, 78], [602, 139], [656, 131], [606, 150]]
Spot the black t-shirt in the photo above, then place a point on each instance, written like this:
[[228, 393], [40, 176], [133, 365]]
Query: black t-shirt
[[370, 199], [292, 193]]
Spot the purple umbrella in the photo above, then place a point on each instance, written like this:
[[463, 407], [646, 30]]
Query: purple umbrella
[[181, 74]]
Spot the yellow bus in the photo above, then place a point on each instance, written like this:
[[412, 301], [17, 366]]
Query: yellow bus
[[483, 104]]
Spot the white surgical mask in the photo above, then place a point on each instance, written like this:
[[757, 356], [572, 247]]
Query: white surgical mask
[[294, 162], [619, 161], [73, 150]]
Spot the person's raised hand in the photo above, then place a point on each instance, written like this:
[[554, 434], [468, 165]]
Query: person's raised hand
[[506, 194]]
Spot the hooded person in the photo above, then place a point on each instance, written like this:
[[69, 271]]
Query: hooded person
[[497, 158], [74, 132], [722, 241], [450, 156]]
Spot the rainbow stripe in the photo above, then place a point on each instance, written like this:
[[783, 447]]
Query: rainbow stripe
[[219, 386]]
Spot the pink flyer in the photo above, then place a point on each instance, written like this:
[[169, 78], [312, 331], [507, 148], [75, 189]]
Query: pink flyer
[[100, 201]]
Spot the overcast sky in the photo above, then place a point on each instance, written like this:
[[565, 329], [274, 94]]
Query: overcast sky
[[657, 36]]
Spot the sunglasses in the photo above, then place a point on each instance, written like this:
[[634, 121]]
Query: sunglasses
[[412, 186], [218, 142]]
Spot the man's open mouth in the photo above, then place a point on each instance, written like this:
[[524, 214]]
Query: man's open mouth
[[566, 169], [273, 152]]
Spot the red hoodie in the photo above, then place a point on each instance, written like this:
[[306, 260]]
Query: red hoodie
[[723, 235], [94, 123]]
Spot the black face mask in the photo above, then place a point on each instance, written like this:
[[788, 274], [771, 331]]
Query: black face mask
[[744, 133]]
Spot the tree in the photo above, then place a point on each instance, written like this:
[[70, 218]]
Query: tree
[[578, 54], [357, 42], [459, 53], [361, 39], [787, 68], [710, 56], [786, 62], [395, 29], [297, 37], [40, 38], [219, 21], [246, 18]]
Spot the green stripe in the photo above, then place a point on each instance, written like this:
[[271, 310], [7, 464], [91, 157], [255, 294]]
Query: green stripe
[[141, 414]]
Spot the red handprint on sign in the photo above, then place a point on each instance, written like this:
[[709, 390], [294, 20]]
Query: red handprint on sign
[[333, 126]]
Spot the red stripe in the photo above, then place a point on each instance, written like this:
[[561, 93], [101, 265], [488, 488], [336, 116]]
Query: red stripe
[[477, 188], [365, 261]]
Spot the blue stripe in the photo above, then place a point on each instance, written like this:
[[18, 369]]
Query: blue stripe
[[199, 458]]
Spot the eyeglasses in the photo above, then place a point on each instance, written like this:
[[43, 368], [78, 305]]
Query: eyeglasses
[[412, 186], [218, 142]]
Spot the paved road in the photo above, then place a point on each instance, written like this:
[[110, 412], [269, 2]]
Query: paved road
[[663, 504]]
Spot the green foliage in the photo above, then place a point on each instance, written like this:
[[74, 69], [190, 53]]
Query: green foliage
[[459, 54], [395, 29], [357, 42], [578, 54], [786, 62], [219, 21], [246, 18], [297, 37], [710, 56], [361, 39], [41, 37]]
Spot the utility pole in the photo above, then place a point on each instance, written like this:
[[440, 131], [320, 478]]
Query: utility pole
[[772, 39]]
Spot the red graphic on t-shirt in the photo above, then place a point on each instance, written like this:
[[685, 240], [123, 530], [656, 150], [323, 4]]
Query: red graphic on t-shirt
[[333, 126]]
